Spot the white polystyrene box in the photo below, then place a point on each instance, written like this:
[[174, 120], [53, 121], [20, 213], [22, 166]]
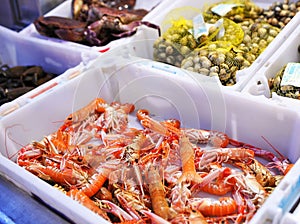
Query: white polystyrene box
[[161, 14], [16, 49], [64, 10], [258, 85], [22, 51], [141, 43], [168, 92]]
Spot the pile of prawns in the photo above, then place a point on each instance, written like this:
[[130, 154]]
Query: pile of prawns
[[160, 172]]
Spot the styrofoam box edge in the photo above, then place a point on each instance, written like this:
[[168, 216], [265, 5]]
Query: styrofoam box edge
[[49, 195], [198, 102], [282, 200], [287, 52]]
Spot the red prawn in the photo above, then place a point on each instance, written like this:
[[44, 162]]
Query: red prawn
[[157, 194], [65, 176], [210, 207], [188, 162], [281, 163], [164, 128], [83, 199], [219, 186], [95, 183], [83, 113]]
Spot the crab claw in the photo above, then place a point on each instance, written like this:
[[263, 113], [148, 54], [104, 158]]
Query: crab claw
[[132, 28], [92, 38]]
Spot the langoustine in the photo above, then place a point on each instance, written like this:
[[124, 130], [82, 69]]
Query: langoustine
[[158, 171]]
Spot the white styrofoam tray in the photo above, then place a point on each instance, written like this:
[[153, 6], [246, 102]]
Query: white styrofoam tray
[[141, 44], [168, 92], [16, 49], [163, 13], [258, 85], [23, 51], [64, 10]]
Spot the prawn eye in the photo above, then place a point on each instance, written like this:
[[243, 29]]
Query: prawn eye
[[142, 113]]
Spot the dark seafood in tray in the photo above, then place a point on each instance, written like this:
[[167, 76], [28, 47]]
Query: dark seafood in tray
[[276, 84], [95, 23], [157, 172], [18, 80]]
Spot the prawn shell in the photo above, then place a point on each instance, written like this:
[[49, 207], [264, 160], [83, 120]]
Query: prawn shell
[[223, 206]]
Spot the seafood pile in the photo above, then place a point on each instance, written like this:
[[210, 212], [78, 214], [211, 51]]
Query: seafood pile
[[18, 80], [227, 42], [279, 14], [153, 170], [277, 86], [95, 23]]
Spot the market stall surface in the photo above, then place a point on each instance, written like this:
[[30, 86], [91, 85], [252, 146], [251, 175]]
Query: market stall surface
[[17, 206]]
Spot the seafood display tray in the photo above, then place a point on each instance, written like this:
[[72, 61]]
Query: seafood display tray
[[141, 43], [160, 15], [64, 10], [22, 51], [258, 86], [16, 49], [197, 101]]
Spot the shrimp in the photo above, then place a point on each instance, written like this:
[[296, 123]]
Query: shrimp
[[190, 217], [225, 154], [215, 138], [83, 199], [210, 207], [114, 209], [61, 140], [83, 113], [180, 195], [115, 117], [157, 194], [215, 182], [155, 218], [250, 187], [95, 182], [280, 162], [262, 174], [28, 154], [188, 164], [66, 176], [162, 128]]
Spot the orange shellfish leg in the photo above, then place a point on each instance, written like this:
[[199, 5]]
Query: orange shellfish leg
[[97, 182], [189, 173], [83, 199]]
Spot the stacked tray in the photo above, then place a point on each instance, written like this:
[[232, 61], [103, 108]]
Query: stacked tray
[[20, 51], [128, 73], [179, 8], [65, 10], [198, 102], [141, 43]]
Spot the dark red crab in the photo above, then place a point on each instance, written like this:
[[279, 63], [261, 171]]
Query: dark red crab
[[114, 24], [60, 27], [80, 7], [97, 25]]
